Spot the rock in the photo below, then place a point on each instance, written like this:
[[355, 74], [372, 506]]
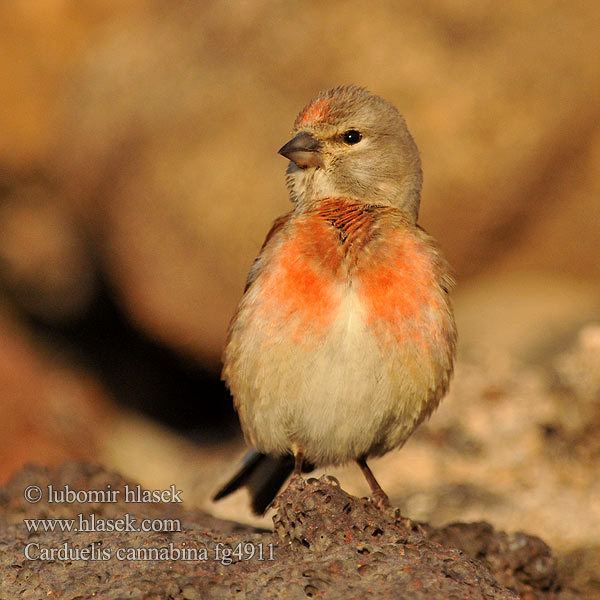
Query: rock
[[326, 543], [46, 409]]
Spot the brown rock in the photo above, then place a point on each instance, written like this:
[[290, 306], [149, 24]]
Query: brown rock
[[325, 543], [47, 411]]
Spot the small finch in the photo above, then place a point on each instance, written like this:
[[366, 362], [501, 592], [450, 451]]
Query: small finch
[[344, 339]]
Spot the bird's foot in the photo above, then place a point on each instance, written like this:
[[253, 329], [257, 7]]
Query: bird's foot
[[378, 497], [380, 500]]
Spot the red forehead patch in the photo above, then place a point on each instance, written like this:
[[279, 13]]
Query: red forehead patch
[[315, 112]]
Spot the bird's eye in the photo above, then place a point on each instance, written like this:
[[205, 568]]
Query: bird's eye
[[352, 137]]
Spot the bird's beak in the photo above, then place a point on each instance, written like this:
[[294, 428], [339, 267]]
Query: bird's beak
[[303, 150]]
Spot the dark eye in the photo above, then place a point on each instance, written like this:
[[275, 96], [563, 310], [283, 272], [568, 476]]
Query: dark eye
[[352, 136]]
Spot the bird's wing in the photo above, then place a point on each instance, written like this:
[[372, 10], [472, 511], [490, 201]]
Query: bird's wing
[[277, 226]]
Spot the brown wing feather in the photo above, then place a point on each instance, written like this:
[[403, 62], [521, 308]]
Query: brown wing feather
[[277, 226]]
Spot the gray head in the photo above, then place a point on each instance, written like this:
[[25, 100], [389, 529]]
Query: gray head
[[350, 143]]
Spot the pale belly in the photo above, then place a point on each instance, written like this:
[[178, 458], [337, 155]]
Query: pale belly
[[338, 388]]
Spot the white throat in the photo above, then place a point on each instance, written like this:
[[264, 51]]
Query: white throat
[[308, 185]]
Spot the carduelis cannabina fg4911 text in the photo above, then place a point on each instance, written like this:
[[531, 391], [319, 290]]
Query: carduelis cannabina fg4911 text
[[344, 339]]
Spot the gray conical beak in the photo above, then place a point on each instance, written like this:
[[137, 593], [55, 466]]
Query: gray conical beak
[[303, 150]]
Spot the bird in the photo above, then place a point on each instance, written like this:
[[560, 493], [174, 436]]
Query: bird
[[344, 339]]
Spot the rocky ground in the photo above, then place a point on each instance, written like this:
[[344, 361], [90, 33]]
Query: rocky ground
[[325, 544]]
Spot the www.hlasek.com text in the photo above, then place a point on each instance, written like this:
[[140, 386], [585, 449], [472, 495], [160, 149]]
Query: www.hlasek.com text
[[93, 523]]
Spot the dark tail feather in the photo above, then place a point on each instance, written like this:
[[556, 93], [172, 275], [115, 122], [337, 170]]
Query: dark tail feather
[[263, 475]]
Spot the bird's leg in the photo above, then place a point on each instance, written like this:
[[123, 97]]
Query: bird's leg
[[298, 461], [296, 480], [380, 499]]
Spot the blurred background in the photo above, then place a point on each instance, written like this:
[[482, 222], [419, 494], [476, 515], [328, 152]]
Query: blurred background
[[139, 175]]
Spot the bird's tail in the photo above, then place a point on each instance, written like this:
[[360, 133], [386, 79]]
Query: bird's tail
[[263, 475]]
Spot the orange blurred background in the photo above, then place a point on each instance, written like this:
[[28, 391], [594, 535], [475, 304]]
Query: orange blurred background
[[139, 175]]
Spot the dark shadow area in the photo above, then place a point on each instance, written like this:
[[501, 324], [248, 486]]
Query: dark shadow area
[[139, 372]]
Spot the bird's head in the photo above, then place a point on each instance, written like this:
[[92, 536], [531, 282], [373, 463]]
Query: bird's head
[[350, 143]]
